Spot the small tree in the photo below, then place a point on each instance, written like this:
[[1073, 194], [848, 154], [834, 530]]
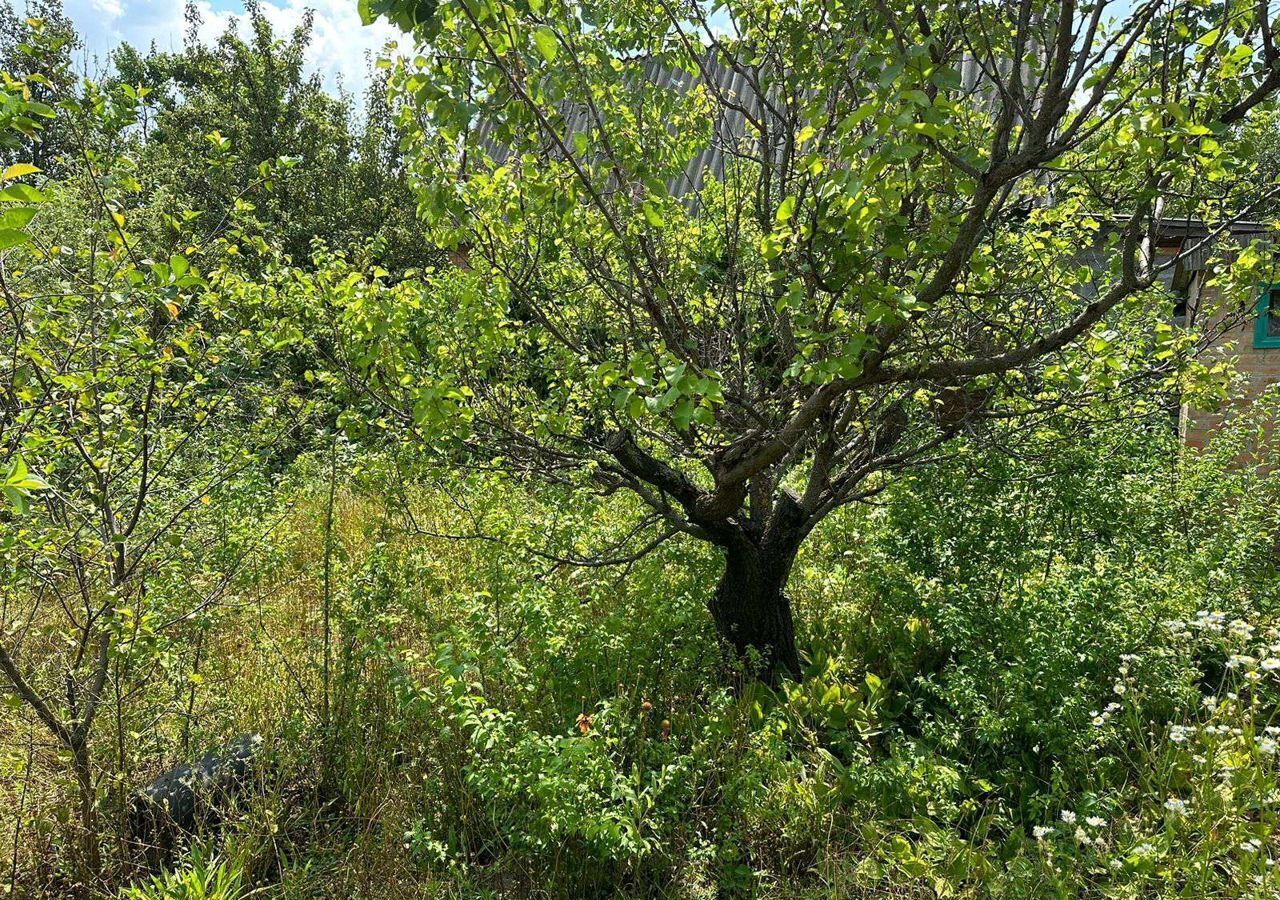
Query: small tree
[[123, 411], [747, 260]]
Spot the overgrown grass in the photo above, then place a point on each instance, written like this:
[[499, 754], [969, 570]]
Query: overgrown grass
[[1017, 686]]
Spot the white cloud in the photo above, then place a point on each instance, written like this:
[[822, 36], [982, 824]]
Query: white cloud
[[110, 7], [339, 42]]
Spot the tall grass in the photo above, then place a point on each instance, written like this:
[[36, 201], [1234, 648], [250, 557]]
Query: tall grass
[[1016, 686]]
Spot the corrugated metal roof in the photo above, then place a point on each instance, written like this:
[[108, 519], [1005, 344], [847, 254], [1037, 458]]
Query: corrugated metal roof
[[730, 133]]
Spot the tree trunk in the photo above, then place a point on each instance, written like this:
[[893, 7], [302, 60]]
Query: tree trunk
[[751, 609], [92, 862]]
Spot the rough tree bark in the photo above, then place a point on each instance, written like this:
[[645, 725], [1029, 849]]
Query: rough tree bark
[[81, 765], [750, 607]]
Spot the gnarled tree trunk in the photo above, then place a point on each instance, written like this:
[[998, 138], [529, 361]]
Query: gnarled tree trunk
[[750, 606]]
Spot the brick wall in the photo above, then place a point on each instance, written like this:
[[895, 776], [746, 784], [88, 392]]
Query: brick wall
[[1259, 367]]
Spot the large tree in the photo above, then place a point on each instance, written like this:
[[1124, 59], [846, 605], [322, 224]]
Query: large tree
[[749, 259]]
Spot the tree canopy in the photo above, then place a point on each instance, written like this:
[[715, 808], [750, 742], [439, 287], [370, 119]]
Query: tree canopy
[[926, 221]]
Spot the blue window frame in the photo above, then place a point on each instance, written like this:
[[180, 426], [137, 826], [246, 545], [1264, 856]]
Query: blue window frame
[[1267, 332]]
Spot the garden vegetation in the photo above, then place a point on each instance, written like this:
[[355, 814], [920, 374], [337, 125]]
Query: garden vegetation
[[641, 450]]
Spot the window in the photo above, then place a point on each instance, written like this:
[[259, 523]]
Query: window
[[1268, 330]]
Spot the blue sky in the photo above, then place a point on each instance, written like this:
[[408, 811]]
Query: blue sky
[[339, 44], [338, 47]]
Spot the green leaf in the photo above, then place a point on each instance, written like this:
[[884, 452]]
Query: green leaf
[[545, 38], [17, 217], [30, 483], [17, 470], [12, 237], [21, 193], [651, 214], [683, 414], [17, 499], [19, 483], [786, 209]]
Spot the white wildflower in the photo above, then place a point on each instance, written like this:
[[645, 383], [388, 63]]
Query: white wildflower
[[1209, 621]]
